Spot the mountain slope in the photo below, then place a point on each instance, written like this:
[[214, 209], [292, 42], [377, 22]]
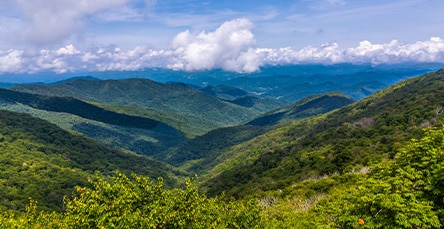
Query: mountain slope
[[224, 92], [357, 135], [310, 106], [294, 82], [77, 107], [189, 125], [176, 98], [198, 154], [43, 162], [139, 134], [258, 104], [201, 153]]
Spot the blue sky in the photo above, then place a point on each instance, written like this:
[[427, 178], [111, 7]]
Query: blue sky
[[243, 35]]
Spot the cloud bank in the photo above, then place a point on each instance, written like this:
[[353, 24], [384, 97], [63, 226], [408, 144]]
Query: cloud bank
[[231, 47]]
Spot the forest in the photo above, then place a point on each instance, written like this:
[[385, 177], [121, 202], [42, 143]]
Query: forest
[[323, 162], [406, 192]]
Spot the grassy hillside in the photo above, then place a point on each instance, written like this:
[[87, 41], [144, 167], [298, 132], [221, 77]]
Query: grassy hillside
[[176, 98], [43, 162], [357, 135]]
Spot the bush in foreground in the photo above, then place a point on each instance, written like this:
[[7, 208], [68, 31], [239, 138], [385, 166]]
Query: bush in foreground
[[139, 203]]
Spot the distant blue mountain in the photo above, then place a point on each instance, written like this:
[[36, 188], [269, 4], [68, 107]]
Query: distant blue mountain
[[293, 82], [286, 83]]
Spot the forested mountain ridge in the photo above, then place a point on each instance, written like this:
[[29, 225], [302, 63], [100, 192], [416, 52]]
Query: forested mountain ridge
[[306, 107], [354, 167], [76, 107], [357, 135], [43, 162], [242, 98], [201, 153], [176, 98], [138, 133]]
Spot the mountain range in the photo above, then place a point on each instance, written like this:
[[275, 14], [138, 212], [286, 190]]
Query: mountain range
[[277, 144]]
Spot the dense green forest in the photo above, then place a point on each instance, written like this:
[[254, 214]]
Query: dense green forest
[[175, 98], [343, 140], [406, 192], [374, 163], [44, 162]]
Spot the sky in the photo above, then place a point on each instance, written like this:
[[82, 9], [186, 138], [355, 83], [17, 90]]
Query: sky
[[195, 35]]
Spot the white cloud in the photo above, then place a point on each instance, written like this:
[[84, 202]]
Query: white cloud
[[230, 47], [10, 61], [431, 50]]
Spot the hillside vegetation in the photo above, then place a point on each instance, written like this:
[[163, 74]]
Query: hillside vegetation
[[310, 106], [43, 162], [374, 163], [357, 135], [201, 153], [127, 130], [406, 192], [176, 98]]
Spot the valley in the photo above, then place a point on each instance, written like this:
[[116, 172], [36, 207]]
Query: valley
[[291, 144]]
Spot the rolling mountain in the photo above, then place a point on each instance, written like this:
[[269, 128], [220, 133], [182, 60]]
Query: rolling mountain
[[224, 92], [258, 104], [201, 153], [242, 98], [41, 161], [175, 98], [357, 135], [310, 106], [139, 134]]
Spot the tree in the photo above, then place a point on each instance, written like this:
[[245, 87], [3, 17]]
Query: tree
[[141, 203], [407, 192]]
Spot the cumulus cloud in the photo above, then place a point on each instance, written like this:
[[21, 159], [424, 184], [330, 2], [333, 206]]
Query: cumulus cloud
[[392, 52], [70, 59], [231, 47]]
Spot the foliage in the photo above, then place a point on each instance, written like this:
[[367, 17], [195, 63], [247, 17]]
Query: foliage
[[77, 107], [173, 97], [140, 203], [260, 105], [140, 141], [206, 148], [307, 107], [190, 125], [201, 153], [407, 192], [363, 133], [39, 160]]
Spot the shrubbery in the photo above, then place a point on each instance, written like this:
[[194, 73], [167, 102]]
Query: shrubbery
[[406, 192], [140, 203]]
